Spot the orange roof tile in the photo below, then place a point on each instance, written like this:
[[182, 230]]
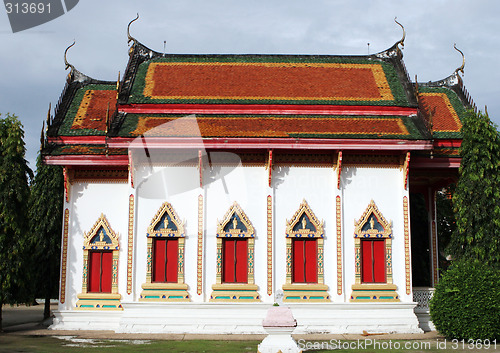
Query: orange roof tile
[[274, 81], [444, 116], [267, 126]]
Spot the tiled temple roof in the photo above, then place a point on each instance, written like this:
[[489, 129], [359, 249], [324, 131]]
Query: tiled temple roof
[[91, 106], [255, 96], [268, 79], [269, 126], [443, 104]]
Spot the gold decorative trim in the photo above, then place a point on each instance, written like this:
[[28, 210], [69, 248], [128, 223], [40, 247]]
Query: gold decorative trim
[[269, 245], [339, 168], [304, 209], [101, 244], [339, 245], [406, 169], [64, 256], [130, 247], [131, 168], [407, 245], [200, 168], [164, 292], [199, 285], [67, 183], [309, 227], [240, 227], [374, 292], [375, 220], [308, 292], [165, 224], [108, 240], [166, 209], [269, 167], [235, 292], [236, 231], [99, 301]]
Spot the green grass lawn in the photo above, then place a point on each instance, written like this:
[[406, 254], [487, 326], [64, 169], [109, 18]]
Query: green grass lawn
[[53, 344]]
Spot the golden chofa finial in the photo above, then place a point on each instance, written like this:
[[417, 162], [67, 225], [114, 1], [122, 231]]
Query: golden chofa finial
[[461, 68], [402, 40], [130, 38], [68, 65]]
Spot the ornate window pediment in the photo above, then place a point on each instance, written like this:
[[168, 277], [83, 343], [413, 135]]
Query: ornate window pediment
[[373, 258], [304, 224], [235, 224], [166, 223], [372, 224], [101, 236], [235, 258], [165, 258], [100, 268], [304, 258]]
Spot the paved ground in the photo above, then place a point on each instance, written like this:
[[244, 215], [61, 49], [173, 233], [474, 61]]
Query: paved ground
[[23, 320]]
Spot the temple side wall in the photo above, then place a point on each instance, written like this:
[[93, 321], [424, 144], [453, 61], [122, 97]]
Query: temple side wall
[[248, 186]]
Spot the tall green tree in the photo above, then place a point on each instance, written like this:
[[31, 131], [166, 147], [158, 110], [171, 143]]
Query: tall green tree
[[14, 194], [45, 220], [476, 199]]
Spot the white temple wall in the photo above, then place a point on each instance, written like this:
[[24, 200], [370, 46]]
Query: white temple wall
[[318, 186], [385, 186], [87, 202], [180, 187], [248, 187]]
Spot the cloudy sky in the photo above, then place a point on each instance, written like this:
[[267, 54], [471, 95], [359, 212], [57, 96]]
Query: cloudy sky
[[32, 67]]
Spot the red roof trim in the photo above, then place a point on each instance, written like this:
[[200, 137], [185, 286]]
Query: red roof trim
[[265, 109], [277, 143], [447, 143], [78, 140], [87, 160]]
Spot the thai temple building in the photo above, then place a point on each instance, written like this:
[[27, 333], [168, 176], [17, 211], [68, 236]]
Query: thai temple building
[[202, 189]]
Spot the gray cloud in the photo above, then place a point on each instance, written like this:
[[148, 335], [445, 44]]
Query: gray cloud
[[32, 69]]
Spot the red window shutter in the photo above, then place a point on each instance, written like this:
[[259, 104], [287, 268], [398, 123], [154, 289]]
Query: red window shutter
[[100, 271], [298, 275], [241, 261], [235, 260], [172, 260], [228, 260], [366, 261], [94, 272], [311, 261], [373, 261], [159, 260], [379, 261], [106, 271]]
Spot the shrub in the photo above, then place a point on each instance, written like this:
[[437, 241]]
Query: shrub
[[466, 302]]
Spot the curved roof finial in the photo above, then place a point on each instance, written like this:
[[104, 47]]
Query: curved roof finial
[[402, 40], [461, 68], [68, 65], [130, 38]]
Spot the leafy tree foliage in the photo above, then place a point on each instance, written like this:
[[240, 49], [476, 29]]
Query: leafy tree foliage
[[45, 212], [466, 304], [14, 194], [476, 199]]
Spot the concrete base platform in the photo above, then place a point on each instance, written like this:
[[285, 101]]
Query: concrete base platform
[[243, 318]]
